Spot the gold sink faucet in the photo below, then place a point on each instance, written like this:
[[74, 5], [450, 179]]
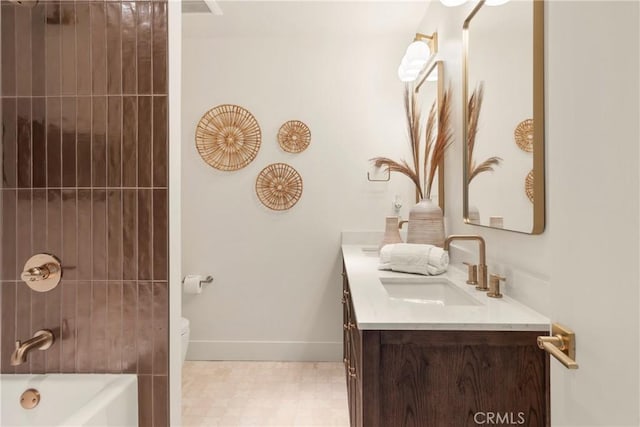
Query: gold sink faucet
[[42, 340], [482, 266]]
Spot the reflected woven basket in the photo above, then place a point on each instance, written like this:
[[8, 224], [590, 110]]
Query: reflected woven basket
[[523, 134], [279, 186], [528, 185], [228, 137], [294, 136]]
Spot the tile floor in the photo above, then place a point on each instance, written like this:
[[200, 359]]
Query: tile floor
[[261, 394]]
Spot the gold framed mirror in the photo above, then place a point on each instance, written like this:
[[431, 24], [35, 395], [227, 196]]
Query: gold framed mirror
[[503, 93]]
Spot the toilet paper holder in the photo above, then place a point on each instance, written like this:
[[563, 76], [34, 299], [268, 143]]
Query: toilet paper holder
[[207, 279]]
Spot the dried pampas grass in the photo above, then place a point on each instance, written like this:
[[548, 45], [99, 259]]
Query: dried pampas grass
[[473, 113], [443, 139], [435, 144], [402, 167]]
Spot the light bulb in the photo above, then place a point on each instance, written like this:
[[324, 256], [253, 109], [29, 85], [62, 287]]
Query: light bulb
[[452, 3], [418, 52], [407, 75], [415, 65]]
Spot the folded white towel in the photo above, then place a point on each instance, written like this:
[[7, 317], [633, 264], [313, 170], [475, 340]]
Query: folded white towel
[[414, 258], [439, 258]]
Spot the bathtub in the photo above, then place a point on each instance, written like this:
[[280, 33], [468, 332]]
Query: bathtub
[[70, 400]]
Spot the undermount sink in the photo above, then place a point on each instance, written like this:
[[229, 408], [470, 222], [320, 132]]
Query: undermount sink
[[371, 251], [426, 290]]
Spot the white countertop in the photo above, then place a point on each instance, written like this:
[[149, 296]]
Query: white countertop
[[375, 309]]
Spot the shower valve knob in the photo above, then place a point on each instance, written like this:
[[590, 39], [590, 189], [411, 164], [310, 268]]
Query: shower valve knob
[[42, 272]]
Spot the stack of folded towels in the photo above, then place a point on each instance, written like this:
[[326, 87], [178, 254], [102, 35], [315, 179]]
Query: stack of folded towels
[[414, 258]]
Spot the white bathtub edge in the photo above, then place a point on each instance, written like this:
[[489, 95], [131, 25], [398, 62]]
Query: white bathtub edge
[[108, 394]]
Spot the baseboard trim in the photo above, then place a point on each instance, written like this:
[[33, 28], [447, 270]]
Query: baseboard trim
[[293, 351]]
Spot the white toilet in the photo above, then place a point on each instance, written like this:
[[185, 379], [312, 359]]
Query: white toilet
[[184, 333]]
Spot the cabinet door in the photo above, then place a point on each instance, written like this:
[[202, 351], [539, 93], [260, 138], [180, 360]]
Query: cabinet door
[[347, 356], [459, 378], [345, 316], [347, 352], [355, 394]]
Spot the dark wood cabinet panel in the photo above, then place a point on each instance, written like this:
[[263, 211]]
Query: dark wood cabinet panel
[[448, 383], [418, 378]]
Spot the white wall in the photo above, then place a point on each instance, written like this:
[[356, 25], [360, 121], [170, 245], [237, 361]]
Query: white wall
[[175, 208], [582, 271], [277, 284], [593, 149]]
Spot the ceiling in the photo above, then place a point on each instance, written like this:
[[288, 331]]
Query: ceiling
[[302, 18]]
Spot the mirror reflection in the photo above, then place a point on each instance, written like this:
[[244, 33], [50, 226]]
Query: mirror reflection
[[429, 91], [502, 144]]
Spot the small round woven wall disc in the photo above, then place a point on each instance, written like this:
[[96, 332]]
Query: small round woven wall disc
[[294, 136], [528, 185], [279, 186], [228, 137], [523, 135]]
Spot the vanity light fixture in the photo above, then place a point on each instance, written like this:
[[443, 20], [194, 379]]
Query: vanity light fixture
[[405, 72], [417, 54], [416, 57], [454, 3], [407, 75]]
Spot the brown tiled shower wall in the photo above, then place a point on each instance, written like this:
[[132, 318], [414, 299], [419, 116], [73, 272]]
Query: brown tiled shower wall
[[84, 176]]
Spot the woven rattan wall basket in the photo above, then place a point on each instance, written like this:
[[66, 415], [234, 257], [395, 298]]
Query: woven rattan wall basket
[[294, 136], [523, 134], [279, 186], [228, 137], [528, 186]]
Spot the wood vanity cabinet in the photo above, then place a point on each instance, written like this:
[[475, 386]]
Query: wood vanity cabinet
[[427, 378]]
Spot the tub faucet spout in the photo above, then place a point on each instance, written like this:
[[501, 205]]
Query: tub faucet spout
[[42, 340]]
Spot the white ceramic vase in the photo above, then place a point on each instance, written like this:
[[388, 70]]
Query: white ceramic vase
[[426, 224]]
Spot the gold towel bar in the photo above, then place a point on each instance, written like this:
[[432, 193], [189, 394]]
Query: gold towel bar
[[561, 345]]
